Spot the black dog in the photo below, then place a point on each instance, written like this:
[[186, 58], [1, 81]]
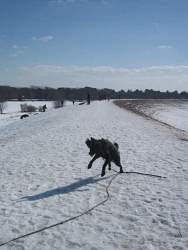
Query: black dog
[[105, 149], [24, 116]]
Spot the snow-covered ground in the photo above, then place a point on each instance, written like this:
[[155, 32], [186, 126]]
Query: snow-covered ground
[[14, 106], [12, 110], [44, 179], [172, 112]]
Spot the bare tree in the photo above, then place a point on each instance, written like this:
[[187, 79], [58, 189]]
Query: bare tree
[[3, 105], [58, 104], [27, 108]]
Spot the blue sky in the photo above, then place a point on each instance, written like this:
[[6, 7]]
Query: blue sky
[[121, 44]]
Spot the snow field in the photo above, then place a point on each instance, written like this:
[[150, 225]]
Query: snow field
[[173, 112], [12, 111], [44, 179]]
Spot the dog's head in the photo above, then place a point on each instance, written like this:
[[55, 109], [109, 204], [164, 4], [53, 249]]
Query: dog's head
[[92, 145]]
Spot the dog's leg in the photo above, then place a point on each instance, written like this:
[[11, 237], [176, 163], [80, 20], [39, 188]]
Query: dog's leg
[[104, 168], [91, 162], [121, 168], [109, 165]]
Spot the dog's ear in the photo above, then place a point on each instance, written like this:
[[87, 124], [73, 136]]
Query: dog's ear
[[116, 145], [92, 139], [87, 142]]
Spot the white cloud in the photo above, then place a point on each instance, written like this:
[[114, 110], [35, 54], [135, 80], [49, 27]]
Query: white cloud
[[43, 39], [18, 47], [60, 2], [17, 50], [161, 77], [49, 68], [164, 46], [14, 46], [17, 53]]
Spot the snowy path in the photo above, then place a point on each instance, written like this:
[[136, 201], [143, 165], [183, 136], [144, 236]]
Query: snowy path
[[44, 180]]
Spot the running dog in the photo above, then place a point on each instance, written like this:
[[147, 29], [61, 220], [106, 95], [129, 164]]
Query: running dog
[[105, 149], [24, 116]]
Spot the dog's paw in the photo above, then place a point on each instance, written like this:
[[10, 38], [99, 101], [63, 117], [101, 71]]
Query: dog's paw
[[102, 174], [121, 171], [89, 166]]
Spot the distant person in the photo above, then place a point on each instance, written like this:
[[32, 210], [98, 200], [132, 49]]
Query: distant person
[[44, 107], [73, 102], [62, 103], [88, 99]]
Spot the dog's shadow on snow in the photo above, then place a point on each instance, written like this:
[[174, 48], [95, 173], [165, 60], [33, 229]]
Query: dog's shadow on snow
[[65, 189]]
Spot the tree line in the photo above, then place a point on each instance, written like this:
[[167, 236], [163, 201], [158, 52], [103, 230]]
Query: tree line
[[46, 93]]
